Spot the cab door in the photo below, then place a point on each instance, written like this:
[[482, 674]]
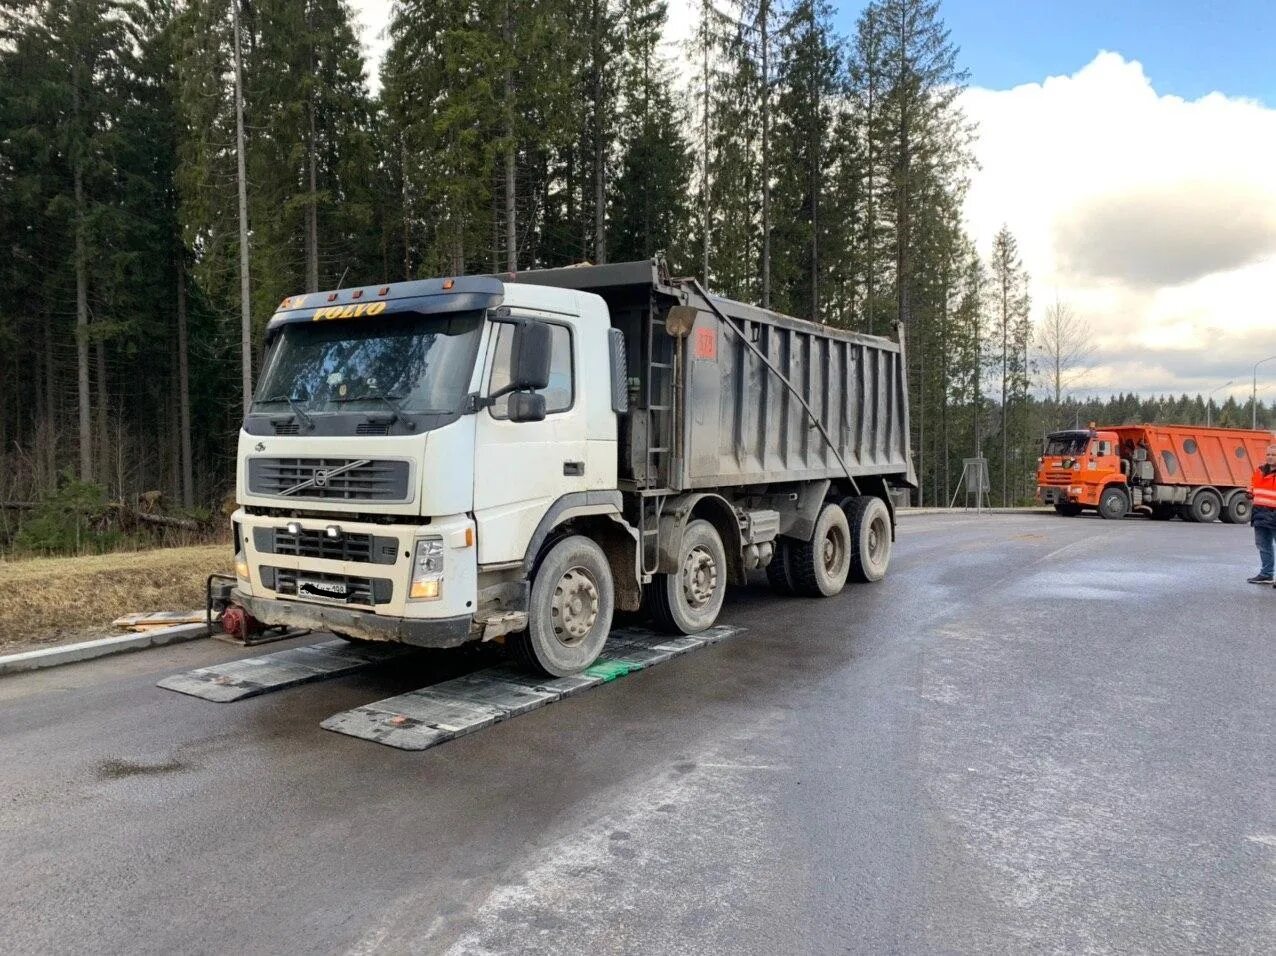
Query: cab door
[[521, 468]]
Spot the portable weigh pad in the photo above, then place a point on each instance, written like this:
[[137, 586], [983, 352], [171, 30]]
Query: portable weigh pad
[[424, 718], [250, 676]]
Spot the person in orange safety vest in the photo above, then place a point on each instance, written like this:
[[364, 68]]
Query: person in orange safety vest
[[1263, 517]]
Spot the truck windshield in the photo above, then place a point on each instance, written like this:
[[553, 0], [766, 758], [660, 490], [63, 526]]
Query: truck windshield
[[1067, 443], [409, 362]]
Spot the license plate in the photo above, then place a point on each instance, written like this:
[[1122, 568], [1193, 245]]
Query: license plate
[[333, 592]]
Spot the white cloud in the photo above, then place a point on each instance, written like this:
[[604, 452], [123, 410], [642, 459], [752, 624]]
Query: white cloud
[[1153, 216]]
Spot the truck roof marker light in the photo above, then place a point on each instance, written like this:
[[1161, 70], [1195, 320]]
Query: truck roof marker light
[[448, 283], [384, 290], [332, 297], [357, 294]]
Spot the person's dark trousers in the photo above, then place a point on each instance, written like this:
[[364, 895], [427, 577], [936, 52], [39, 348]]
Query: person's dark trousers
[[1265, 539]]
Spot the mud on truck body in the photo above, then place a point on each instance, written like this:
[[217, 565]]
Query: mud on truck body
[[518, 457]]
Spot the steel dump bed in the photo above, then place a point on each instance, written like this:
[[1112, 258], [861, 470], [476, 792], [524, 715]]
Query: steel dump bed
[[737, 400], [1191, 455]]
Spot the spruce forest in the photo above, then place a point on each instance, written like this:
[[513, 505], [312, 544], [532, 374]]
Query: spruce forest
[[814, 173]]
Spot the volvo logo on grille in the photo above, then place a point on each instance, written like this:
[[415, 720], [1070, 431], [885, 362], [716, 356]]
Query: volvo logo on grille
[[322, 476]]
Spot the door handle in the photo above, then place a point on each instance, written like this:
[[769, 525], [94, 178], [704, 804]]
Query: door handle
[[574, 468]]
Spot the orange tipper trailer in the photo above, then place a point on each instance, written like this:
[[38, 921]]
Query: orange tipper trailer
[[1198, 474]]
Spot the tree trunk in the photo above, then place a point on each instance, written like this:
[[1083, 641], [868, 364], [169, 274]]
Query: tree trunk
[[103, 412], [82, 330], [245, 301], [511, 203], [596, 68], [705, 13], [183, 389], [312, 210], [764, 23]]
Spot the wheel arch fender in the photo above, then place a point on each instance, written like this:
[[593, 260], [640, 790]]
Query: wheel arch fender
[[716, 510], [597, 515]]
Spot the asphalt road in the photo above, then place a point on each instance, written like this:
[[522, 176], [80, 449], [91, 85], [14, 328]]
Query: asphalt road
[[1038, 734]]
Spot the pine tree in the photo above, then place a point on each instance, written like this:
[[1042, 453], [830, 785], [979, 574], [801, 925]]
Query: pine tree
[[649, 213], [1008, 288]]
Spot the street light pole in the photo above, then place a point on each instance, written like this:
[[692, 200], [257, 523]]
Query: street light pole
[[1209, 405], [1253, 401]]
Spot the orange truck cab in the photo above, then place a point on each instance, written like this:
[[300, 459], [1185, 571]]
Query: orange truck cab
[[1162, 471]]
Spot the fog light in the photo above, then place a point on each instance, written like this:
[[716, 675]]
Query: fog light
[[241, 566], [427, 570], [333, 531], [293, 528]]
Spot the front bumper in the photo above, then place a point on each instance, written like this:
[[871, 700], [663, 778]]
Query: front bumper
[[420, 632]]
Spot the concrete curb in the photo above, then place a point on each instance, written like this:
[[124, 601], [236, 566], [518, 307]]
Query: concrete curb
[[904, 512], [88, 650]]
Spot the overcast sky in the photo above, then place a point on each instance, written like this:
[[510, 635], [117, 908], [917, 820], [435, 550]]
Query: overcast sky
[[1145, 198]]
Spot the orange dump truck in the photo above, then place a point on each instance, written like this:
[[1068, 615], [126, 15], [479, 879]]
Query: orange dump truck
[[1199, 474]]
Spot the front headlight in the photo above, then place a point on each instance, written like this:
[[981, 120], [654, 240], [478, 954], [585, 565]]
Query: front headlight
[[427, 570]]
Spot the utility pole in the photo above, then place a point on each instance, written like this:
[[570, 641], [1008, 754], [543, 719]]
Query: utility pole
[[245, 306], [1209, 404], [1253, 401]]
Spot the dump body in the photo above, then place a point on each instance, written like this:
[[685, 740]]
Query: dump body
[[707, 412], [1188, 455], [1164, 471]]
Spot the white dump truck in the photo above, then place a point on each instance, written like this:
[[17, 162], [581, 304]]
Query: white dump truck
[[517, 457]]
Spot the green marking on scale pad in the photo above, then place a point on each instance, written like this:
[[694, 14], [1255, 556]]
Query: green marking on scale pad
[[608, 670]]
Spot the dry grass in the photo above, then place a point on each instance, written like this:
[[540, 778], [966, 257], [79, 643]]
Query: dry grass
[[60, 600]]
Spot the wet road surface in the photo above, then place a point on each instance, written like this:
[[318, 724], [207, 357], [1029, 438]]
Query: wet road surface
[[1038, 734]]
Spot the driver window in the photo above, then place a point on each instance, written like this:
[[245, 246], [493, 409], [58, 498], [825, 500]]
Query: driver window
[[558, 394]]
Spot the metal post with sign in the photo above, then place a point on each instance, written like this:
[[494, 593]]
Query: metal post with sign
[[974, 480]]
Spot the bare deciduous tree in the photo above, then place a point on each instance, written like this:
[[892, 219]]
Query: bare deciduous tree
[[1065, 346]]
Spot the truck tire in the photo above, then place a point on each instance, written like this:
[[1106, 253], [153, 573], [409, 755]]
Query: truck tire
[[570, 609], [1114, 503], [689, 600], [1068, 509], [1205, 507], [820, 566], [1238, 508], [779, 573], [870, 522]]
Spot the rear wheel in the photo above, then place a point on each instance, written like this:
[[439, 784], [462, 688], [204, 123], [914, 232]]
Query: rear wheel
[[820, 566], [780, 570], [570, 609], [1238, 508], [1114, 503], [1206, 506], [689, 600], [1068, 509], [870, 522]]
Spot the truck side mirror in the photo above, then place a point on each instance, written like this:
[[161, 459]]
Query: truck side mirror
[[526, 407], [529, 358]]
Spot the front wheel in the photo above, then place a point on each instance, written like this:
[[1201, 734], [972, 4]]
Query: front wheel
[[570, 609], [1238, 508], [1114, 503], [689, 599]]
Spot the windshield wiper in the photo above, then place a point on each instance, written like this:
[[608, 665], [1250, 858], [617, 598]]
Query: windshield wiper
[[296, 408], [389, 401]]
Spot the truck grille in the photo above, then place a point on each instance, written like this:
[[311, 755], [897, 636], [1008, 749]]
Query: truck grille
[[336, 588], [316, 544], [1058, 477], [339, 479]]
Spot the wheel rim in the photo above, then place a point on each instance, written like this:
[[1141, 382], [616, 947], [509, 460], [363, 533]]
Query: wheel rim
[[836, 548], [878, 540], [574, 609], [699, 578]]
